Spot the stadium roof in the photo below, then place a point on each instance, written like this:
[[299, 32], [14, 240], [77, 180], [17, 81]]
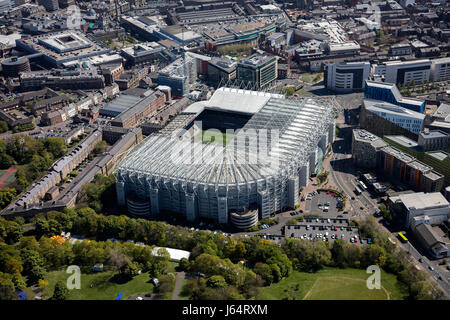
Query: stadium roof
[[300, 124], [234, 100]]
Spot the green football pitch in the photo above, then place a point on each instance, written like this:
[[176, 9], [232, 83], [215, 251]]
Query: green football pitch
[[210, 136], [334, 284]]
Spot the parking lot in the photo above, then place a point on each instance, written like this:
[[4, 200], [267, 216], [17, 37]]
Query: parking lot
[[323, 204], [326, 229]]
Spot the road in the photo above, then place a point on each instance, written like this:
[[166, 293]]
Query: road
[[178, 284], [343, 174]]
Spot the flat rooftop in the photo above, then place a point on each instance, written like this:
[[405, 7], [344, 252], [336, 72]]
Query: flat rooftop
[[404, 141], [433, 134], [439, 155], [256, 59], [420, 200], [386, 107]]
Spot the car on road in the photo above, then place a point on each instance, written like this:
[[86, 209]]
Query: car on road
[[139, 298], [420, 260], [431, 268], [440, 278]]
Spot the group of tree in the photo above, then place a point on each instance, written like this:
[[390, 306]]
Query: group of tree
[[231, 268], [34, 157], [99, 193]]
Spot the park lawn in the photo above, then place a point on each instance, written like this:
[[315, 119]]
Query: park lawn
[[334, 284], [104, 288]]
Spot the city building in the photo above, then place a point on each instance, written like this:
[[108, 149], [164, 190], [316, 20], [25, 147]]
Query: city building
[[12, 67], [365, 148], [221, 70], [431, 207], [59, 170], [371, 152], [49, 5], [440, 69], [389, 92], [346, 77], [111, 72], [137, 113], [436, 245], [179, 75], [408, 72], [400, 49], [259, 70], [142, 53], [62, 79], [218, 182], [434, 140], [405, 168], [63, 46], [407, 119]]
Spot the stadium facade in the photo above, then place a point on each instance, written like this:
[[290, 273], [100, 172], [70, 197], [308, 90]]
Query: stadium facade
[[258, 171]]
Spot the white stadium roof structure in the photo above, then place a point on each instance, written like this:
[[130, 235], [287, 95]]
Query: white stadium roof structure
[[223, 172]]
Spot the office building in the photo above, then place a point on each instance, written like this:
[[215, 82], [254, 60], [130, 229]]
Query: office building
[[408, 72], [433, 206], [49, 5], [440, 69], [389, 92], [407, 119], [179, 75], [434, 140], [221, 70], [365, 148], [259, 70], [346, 77]]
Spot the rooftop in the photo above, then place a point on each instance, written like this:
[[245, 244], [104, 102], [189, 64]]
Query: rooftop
[[386, 107], [439, 155], [256, 59], [404, 141], [421, 201]]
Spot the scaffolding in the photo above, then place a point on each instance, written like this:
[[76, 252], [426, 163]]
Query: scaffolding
[[264, 164]]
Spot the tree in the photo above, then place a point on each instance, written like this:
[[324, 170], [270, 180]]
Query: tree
[[6, 196], [61, 291], [7, 290], [3, 126], [338, 253], [6, 161], [264, 271], [56, 146], [166, 283], [100, 147], [129, 270], [184, 264], [216, 281]]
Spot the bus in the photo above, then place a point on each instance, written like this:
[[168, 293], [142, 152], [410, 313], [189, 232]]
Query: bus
[[402, 237], [358, 191], [362, 185]]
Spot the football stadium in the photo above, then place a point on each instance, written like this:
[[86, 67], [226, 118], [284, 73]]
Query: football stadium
[[236, 158]]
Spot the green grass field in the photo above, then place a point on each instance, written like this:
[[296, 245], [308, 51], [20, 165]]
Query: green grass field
[[211, 137], [334, 284], [103, 288]]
